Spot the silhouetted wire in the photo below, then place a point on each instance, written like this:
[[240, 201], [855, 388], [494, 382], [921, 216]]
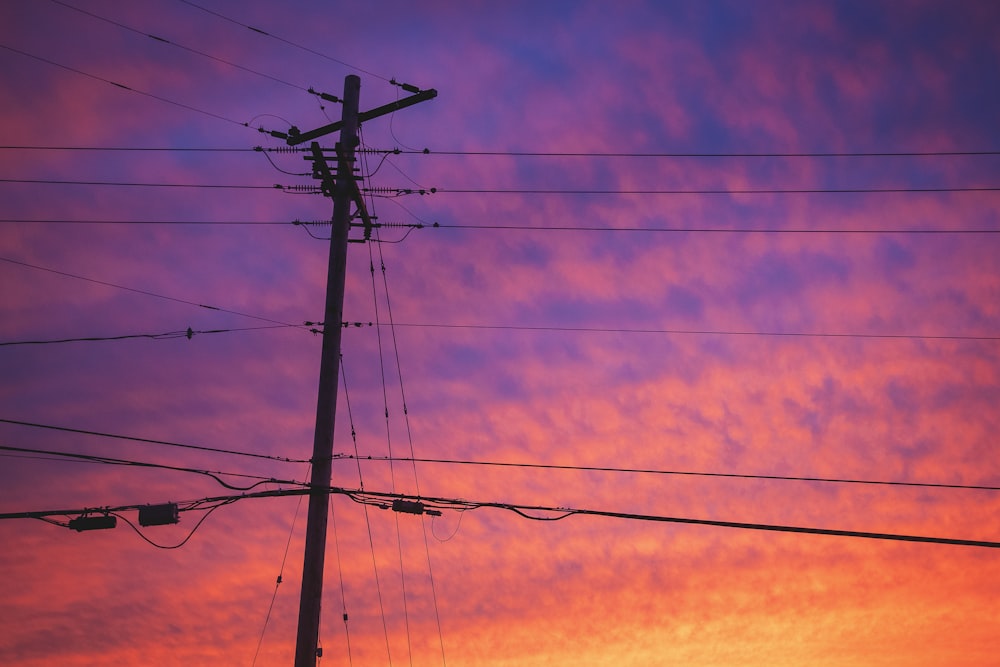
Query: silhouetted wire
[[285, 41], [124, 87], [108, 460], [653, 471], [409, 436], [285, 171], [176, 149], [717, 230], [718, 191], [181, 46], [368, 524], [693, 332], [599, 154], [128, 184], [169, 335], [388, 441], [182, 542], [150, 441], [281, 572], [142, 222], [340, 573], [559, 513], [148, 293]]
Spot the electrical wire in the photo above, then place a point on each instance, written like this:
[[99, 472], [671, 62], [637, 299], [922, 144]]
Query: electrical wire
[[180, 46], [169, 335], [653, 471], [284, 41], [691, 332], [409, 435], [129, 184], [700, 192], [714, 230], [281, 572], [144, 222], [94, 458], [598, 154], [392, 470], [147, 293], [368, 523], [124, 87], [183, 541], [165, 443]]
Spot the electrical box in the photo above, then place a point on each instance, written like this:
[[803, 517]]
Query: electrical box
[[99, 522], [159, 515]]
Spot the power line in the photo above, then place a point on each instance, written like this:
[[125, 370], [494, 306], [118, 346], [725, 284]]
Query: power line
[[97, 221], [598, 154], [690, 332], [285, 41], [145, 292], [172, 149], [711, 230], [382, 500], [169, 335], [181, 46], [738, 191], [124, 87], [653, 471], [558, 513], [107, 460], [166, 443], [212, 186]]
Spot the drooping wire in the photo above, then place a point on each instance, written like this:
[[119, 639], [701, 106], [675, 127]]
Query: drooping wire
[[281, 571], [368, 523], [182, 542]]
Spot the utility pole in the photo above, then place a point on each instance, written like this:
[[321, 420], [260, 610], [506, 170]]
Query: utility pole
[[326, 403], [345, 191]]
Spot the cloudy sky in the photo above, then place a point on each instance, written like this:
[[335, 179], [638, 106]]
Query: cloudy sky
[[686, 254]]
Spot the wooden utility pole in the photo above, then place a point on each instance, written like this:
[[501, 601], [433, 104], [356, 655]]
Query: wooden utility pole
[[329, 366], [345, 192]]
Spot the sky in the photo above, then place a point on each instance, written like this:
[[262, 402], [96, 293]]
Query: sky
[[730, 262]]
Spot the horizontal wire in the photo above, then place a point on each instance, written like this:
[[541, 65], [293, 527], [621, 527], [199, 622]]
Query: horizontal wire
[[371, 497], [651, 471], [703, 230], [124, 87], [169, 335], [738, 191], [177, 149], [692, 332], [214, 186], [598, 154], [166, 443], [143, 222]]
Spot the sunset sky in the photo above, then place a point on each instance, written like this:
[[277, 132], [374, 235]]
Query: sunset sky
[[679, 256]]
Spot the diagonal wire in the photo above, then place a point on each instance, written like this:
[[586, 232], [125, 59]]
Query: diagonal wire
[[409, 435], [124, 87], [392, 470], [180, 46], [368, 523], [281, 571]]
